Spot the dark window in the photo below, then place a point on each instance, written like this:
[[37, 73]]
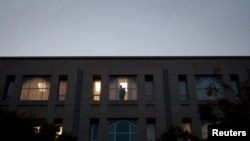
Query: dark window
[[202, 82], [9, 87], [235, 83], [94, 123], [122, 130], [149, 87], [150, 129], [183, 87]]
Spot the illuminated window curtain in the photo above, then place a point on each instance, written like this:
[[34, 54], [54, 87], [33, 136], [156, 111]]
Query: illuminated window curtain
[[96, 87], [35, 88], [62, 89]]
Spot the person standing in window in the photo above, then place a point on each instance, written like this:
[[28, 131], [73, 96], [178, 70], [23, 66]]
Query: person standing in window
[[122, 93]]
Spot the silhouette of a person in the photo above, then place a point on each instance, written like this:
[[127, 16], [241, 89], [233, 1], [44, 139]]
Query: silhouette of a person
[[122, 93]]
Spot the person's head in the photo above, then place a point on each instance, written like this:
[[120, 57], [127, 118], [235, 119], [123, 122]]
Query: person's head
[[120, 86]]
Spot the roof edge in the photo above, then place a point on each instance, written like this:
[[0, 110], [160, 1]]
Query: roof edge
[[124, 57]]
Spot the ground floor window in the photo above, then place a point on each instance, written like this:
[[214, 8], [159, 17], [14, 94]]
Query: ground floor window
[[122, 130]]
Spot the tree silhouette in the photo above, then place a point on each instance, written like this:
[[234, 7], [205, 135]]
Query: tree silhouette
[[175, 133], [233, 109], [235, 106], [14, 127]]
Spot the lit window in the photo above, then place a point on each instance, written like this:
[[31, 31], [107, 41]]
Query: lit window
[[203, 82], [41, 87], [186, 124], [60, 128], [37, 124], [37, 129], [96, 87], [123, 88], [59, 125], [62, 87], [35, 88]]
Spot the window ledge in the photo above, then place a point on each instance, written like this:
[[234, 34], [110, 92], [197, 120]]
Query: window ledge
[[60, 103], [125, 102], [4, 103], [33, 103]]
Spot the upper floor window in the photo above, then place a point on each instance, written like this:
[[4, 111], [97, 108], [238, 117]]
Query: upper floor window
[[9, 87], [62, 87], [235, 83], [35, 88], [123, 88], [149, 87], [203, 82], [183, 87], [96, 87]]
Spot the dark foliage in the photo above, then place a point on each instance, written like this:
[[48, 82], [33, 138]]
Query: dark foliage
[[15, 127], [175, 133], [234, 106]]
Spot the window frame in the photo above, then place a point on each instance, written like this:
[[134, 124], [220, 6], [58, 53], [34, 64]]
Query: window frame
[[9, 88], [133, 129], [32, 91], [203, 82], [62, 88], [183, 88], [149, 87], [96, 93], [129, 82]]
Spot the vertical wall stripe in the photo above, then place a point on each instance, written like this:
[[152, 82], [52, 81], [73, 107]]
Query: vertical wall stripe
[[167, 98], [248, 73], [76, 118]]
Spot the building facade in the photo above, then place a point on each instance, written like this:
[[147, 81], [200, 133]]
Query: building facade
[[83, 94]]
